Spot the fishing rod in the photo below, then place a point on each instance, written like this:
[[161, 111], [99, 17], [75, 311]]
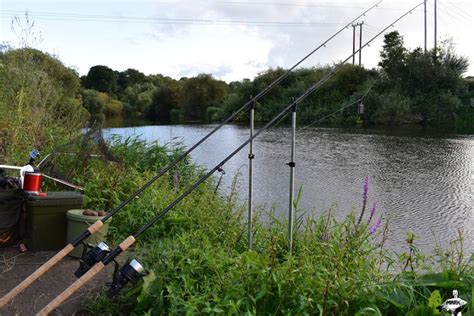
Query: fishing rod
[[97, 225], [133, 270]]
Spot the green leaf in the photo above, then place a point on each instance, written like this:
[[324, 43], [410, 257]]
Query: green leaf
[[434, 301], [399, 297], [369, 311], [421, 310], [145, 299], [445, 280]]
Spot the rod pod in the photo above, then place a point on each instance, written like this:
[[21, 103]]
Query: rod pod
[[292, 165], [251, 157]]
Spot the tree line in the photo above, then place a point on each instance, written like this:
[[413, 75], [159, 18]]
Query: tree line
[[408, 87]]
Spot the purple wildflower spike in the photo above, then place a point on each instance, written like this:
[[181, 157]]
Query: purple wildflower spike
[[364, 197], [373, 229], [372, 212], [366, 189]]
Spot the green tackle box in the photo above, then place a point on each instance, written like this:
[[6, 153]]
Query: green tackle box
[[46, 219]]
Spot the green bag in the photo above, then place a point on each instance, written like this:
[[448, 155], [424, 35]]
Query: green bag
[[12, 203]]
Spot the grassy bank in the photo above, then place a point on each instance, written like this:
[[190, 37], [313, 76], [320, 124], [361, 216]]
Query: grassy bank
[[198, 262]]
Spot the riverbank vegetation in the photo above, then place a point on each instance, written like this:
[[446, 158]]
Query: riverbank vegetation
[[39, 103], [409, 87], [198, 262], [196, 257]]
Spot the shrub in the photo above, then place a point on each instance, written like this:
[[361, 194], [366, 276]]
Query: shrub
[[39, 99]]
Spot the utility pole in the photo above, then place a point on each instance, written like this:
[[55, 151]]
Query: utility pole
[[353, 43], [251, 157], [425, 26], [435, 26], [360, 44], [360, 41]]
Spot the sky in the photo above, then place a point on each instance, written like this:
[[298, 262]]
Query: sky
[[230, 39]]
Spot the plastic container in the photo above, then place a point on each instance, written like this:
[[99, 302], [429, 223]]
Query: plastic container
[[32, 182], [46, 219], [77, 223]]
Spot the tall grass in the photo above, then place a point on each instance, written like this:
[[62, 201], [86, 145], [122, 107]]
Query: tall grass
[[198, 263]]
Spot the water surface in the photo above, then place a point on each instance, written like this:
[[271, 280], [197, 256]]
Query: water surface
[[421, 181]]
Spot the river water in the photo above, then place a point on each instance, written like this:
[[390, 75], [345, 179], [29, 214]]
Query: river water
[[422, 181]]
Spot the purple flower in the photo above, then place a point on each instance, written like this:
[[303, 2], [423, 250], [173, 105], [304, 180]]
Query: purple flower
[[372, 212], [366, 189], [364, 197], [373, 229]]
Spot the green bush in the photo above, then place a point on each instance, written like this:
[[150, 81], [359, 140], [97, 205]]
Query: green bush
[[213, 114], [39, 102], [176, 116]]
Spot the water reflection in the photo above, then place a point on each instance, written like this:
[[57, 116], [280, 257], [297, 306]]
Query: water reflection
[[422, 182]]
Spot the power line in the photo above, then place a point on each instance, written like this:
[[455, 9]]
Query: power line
[[450, 11], [458, 9], [53, 16], [301, 4], [372, 28]]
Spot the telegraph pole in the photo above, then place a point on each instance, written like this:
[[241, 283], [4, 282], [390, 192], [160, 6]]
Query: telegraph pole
[[360, 44], [354, 41], [435, 26], [425, 26]]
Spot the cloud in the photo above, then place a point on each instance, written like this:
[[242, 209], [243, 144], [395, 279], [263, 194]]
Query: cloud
[[188, 70], [232, 39]]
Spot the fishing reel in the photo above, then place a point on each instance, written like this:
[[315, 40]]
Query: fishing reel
[[91, 257], [132, 271]]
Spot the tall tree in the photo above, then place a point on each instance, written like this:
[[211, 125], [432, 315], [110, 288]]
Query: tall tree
[[202, 92], [393, 55], [101, 78], [130, 77], [165, 99]]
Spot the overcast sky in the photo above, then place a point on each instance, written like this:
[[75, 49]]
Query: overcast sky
[[231, 39]]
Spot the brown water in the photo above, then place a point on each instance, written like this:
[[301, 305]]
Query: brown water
[[423, 181]]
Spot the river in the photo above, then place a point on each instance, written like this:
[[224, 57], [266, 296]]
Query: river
[[422, 181]]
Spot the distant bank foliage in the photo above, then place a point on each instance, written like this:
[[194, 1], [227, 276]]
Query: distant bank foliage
[[409, 87]]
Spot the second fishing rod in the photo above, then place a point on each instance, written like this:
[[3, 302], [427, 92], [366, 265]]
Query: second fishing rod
[[97, 225], [132, 271]]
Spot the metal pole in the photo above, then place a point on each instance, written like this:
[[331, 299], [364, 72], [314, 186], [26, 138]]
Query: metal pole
[[425, 26], [292, 165], [251, 157], [435, 26], [360, 43], [353, 43]]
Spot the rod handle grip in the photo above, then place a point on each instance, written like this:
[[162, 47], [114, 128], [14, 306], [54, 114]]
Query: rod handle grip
[[124, 245], [35, 275], [71, 289], [95, 227]]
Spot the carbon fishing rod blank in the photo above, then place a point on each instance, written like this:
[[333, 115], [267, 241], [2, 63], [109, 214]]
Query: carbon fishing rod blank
[[91, 257], [131, 272]]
